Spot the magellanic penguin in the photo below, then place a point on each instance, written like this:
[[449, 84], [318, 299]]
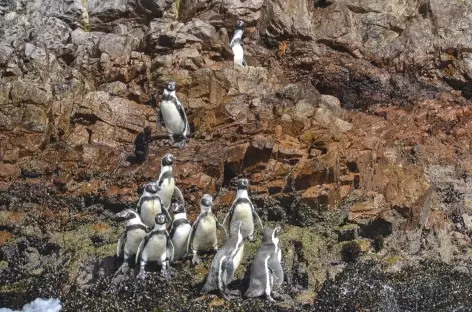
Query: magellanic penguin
[[156, 246], [135, 230], [238, 52], [172, 113], [238, 32], [243, 210], [179, 230], [203, 234], [166, 182], [225, 262], [150, 204], [266, 268]]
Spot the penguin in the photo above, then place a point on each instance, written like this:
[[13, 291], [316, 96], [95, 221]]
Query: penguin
[[156, 246], [225, 263], [238, 53], [135, 230], [238, 31], [243, 210], [266, 268], [150, 204], [166, 182], [203, 234], [179, 230], [172, 113]]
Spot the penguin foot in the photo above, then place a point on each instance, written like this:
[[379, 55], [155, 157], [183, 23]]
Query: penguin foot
[[196, 260], [225, 296], [234, 292], [166, 274], [141, 275], [251, 238], [123, 268], [182, 144], [269, 297]]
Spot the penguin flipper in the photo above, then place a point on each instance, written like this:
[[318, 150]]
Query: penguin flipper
[[276, 269], [192, 234], [121, 244], [138, 206], [254, 213], [140, 248], [160, 118], [182, 113], [169, 248], [164, 211], [222, 230], [178, 194]]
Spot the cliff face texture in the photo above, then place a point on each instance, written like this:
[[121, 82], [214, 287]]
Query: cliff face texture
[[352, 123]]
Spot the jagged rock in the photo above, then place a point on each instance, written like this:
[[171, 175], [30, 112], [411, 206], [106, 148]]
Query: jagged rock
[[201, 30], [287, 19], [248, 10], [106, 11], [116, 45]]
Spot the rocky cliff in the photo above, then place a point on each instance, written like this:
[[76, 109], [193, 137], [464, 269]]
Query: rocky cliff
[[352, 122]]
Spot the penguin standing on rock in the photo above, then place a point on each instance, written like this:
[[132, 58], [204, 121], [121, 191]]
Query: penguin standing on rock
[[172, 113], [150, 204], [236, 44], [238, 32], [243, 210], [179, 231], [156, 246], [225, 263], [203, 234], [135, 230], [166, 182], [238, 52], [266, 268]]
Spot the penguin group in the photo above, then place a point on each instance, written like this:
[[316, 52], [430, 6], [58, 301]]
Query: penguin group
[[158, 230], [152, 235]]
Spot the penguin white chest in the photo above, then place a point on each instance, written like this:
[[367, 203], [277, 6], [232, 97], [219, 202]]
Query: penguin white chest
[[149, 209], [166, 192], [238, 257], [133, 239], [156, 249], [238, 54], [174, 123], [243, 212], [179, 239], [205, 234]]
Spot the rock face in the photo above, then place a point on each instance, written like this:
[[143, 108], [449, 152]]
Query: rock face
[[352, 123]]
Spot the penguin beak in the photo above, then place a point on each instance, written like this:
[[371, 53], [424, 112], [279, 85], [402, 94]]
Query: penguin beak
[[123, 215], [277, 230], [153, 188]]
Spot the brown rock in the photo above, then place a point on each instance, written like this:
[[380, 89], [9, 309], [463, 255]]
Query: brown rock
[[8, 172]]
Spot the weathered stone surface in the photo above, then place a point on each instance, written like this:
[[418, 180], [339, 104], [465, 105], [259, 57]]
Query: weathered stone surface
[[79, 82]]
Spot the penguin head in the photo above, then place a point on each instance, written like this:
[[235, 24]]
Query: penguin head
[[160, 219], [167, 160], [243, 184], [170, 86], [239, 24], [235, 228], [271, 235], [127, 214], [177, 208], [151, 188], [206, 202]]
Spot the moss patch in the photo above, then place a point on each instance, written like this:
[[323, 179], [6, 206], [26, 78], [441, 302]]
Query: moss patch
[[81, 244], [305, 251]]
